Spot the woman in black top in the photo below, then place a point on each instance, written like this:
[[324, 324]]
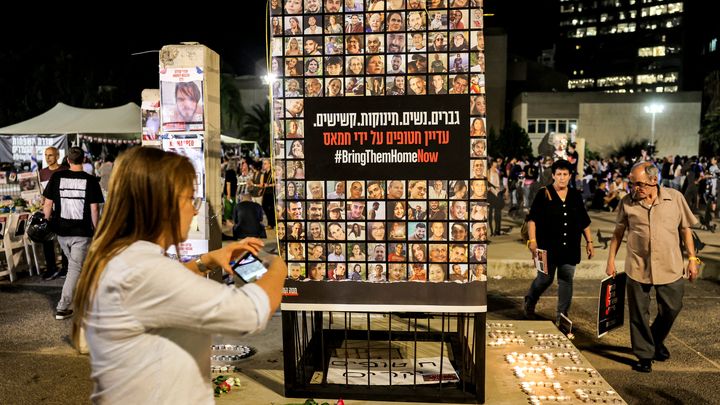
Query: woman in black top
[[557, 220], [230, 189]]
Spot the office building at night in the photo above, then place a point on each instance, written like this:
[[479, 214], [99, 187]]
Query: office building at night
[[623, 46]]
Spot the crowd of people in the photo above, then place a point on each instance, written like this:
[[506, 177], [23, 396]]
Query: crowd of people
[[248, 193], [515, 181], [122, 261]]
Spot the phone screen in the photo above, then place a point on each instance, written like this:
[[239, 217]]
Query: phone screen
[[249, 268]]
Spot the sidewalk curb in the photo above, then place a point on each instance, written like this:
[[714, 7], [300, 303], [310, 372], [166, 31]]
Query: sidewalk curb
[[524, 269]]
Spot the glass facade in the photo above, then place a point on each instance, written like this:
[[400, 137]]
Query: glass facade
[[621, 46]]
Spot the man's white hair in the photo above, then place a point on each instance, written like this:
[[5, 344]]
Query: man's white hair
[[650, 169]]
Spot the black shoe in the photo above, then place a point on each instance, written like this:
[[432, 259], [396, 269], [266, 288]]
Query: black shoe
[[54, 275], [528, 309], [61, 314], [662, 353], [643, 366]]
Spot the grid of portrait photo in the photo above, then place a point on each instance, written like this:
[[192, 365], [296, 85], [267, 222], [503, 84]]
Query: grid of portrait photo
[[378, 230]]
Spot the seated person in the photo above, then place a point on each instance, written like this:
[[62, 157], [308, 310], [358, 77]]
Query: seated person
[[617, 190], [601, 198], [247, 217]]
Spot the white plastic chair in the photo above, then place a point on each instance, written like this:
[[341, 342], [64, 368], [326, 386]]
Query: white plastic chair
[[5, 269], [13, 244]]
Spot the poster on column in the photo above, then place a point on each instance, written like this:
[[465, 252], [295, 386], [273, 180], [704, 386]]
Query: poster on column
[[181, 99], [191, 146], [150, 120], [379, 154]]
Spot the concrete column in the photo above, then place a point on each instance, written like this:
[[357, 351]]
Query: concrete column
[[197, 56]]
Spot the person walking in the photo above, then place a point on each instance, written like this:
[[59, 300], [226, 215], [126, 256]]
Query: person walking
[[52, 156], [104, 172], [230, 187], [496, 199], [262, 186], [657, 219], [72, 199], [556, 222]]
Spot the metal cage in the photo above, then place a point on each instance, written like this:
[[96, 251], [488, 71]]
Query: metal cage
[[312, 338]]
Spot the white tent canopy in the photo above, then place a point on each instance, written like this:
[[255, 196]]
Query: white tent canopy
[[64, 119], [234, 141]]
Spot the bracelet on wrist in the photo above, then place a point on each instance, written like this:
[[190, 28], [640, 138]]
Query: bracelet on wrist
[[530, 241], [695, 259], [202, 267]]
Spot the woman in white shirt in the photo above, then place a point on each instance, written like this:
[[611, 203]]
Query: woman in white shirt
[[148, 318]]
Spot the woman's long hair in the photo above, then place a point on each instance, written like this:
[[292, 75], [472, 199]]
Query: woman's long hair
[[142, 204]]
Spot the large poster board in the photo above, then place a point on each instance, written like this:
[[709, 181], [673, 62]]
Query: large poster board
[[24, 148], [380, 153]]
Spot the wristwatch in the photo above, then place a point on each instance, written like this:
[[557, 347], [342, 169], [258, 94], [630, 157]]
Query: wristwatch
[[202, 266]]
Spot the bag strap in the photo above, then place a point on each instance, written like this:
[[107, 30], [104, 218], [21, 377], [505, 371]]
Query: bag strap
[[547, 194]]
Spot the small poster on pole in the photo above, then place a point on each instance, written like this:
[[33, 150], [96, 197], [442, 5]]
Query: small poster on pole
[[181, 100], [192, 146], [611, 306]]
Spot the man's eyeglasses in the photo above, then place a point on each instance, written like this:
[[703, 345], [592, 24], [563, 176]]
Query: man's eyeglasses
[[639, 184]]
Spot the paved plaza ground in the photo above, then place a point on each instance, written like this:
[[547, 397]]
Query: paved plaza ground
[[38, 365]]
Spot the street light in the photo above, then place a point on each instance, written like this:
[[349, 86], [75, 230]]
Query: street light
[[269, 79], [654, 108]]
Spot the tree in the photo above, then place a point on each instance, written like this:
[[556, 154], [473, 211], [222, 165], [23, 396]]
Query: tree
[[513, 141], [631, 149], [591, 154], [256, 126], [710, 133], [232, 112], [36, 78]]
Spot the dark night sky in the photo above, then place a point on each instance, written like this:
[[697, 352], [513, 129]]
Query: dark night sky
[[532, 25], [53, 58]]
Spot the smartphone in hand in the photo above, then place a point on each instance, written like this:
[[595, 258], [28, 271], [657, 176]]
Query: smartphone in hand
[[249, 268]]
